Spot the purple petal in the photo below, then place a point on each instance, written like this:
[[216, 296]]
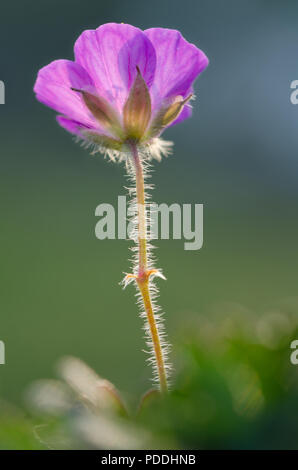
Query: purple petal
[[110, 55], [178, 63], [53, 88], [72, 126]]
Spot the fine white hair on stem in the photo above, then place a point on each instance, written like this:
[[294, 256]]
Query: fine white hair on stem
[[137, 158], [153, 289]]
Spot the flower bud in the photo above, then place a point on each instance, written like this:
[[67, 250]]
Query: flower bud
[[167, 115], [137, 109]]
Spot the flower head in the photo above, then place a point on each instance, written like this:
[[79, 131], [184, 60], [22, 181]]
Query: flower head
[[125, 85]]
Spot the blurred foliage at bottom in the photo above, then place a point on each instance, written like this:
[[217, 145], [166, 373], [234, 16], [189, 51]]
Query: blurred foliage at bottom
[[234, 388]]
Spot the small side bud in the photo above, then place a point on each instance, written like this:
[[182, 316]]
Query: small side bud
[[128, 279], [152, 273], [167, 115], [137, 109]]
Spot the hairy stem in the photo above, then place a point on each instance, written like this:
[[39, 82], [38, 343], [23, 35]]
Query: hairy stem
[[143, 274]]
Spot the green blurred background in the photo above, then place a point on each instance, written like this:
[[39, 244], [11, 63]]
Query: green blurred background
[[237, 156]]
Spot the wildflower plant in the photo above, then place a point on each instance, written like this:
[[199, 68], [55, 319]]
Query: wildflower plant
[[124, 88]]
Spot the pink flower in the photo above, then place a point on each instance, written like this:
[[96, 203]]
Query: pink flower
[[124, 85]]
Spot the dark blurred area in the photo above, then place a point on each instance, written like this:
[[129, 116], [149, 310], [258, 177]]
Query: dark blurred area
[[237, 156]]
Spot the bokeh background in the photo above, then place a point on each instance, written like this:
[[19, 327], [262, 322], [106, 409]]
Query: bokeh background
[[237, 156]]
